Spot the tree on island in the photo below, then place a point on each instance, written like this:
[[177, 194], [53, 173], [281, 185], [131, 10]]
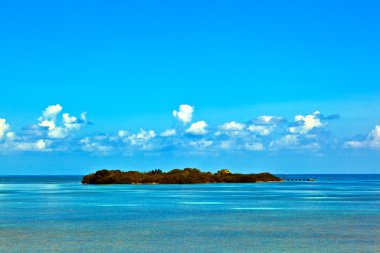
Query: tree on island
[[223, 171]]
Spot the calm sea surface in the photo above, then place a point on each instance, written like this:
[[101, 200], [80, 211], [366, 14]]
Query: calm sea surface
[[336, 213]]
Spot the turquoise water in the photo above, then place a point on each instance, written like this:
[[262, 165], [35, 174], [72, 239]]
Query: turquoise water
[[337, 213]]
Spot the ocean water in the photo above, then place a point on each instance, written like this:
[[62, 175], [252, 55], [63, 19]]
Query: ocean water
[[336, 213]]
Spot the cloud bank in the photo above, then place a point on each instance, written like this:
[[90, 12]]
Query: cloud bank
[[59, 131]]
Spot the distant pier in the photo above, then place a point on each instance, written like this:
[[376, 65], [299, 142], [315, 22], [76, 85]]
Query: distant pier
[[299, 179]]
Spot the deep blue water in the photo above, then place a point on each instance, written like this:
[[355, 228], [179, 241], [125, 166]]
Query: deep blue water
[[336, 213]]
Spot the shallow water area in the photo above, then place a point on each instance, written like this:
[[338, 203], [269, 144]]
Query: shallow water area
[[336, 213]]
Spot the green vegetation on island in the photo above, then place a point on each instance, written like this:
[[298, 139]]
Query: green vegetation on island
[[175, 176]]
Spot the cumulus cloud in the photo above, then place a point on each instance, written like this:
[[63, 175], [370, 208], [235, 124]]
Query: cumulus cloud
[[269, 120], [122, 133], [123, 142], [184, 113], [71, 122], [47, 135], [58, 133], [201, 144], [372, 140], [10, 136], [169, 132], [197, 128], [305, 132], [51, 112], [261, 130], [226, 144], [375, 134], [355, 144], [48, 120], [232, 126], [39, 145], [257, 146], [141, 139], [265, 125], [4, 127], [304, 124], [232, 129], [310, 128], [296, 142], [90, 145], [49, 116], [49, 124], [287, 141], [141, 136]]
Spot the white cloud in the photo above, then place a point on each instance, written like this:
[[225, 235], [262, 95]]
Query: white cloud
[[4, 127], [298, 142], [50, 124], [375, 134], [83, 116], [122, 133], [232, 126], [169, 132], [39, 145], [142, 139], [10, 136], [355, 144], [51, 112], [142, 136], [58, 133], [231, 129], [197, 128], [263, 133], [227, 144], [70, 122], [185, 113], [261, 130], [257, 146], [372, 141], [89, 145], [48, 120], [285, 142], [49, 116], [304, 124], [268, 120], [201, 143], [312, 146]]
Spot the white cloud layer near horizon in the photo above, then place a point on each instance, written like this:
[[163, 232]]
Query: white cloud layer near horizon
[[58, 131]]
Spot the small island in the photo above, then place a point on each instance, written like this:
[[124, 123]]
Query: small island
[[175, 176]]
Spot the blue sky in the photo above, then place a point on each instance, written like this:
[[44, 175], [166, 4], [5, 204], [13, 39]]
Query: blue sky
[[286, 87]]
